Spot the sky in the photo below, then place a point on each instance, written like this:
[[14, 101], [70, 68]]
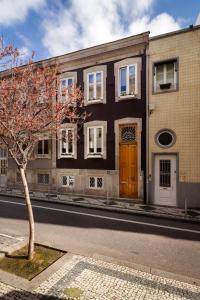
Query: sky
[[55, 27]]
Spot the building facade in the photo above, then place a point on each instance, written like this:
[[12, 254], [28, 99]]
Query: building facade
[[174, 119], [106, 156]]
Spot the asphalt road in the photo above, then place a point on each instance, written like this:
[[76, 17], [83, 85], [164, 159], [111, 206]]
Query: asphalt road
[[163, 244]]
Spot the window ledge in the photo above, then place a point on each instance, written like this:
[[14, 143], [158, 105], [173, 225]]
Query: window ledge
[[96, 101], [165, 91], [43, 156], [95, 156], [67, 156], [127, 97]]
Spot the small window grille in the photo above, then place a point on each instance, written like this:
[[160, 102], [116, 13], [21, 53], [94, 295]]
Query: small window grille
[[128, 134], [67, 180], [43, 178], [95, 182], [165, 173]]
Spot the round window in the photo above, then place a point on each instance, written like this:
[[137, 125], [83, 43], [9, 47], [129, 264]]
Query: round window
[[165, 138]]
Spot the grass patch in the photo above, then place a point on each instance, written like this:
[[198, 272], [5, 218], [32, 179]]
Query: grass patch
[[73, 293], [18, 264]]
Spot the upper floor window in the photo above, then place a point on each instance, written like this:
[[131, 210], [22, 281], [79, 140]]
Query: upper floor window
[[95, 86], [95, 141], [127, 80], [67, 142], [43, 147], [65, 85], [165, 76]]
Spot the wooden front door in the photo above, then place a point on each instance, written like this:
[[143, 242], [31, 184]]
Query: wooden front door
[[128, 179]]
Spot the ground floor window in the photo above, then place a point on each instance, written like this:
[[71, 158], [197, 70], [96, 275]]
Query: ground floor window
[[43, 178], [67, 181], [95, 182]]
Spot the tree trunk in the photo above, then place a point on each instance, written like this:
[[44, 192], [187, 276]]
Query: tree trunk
[[30, 215]]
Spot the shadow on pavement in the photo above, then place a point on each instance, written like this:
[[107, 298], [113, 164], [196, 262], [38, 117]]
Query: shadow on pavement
[[23, 295]]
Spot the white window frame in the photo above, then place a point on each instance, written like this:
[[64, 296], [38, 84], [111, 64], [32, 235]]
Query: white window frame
[[127, 81], [67, 154], [68, 181], [95, 154], [60, 90], [165, 76], [95, 87], [95, 183]]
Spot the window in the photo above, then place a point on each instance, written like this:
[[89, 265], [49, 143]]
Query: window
[[127, 80], [67, 142], [43, 178], [43, 147], [165, 76], [3, 153], [67, 181], [165, 138], [95, 86], [95, 182], [95, 141], [65, 85]]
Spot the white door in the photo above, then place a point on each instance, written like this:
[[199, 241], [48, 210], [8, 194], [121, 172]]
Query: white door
[[3, 167], [165, 180]]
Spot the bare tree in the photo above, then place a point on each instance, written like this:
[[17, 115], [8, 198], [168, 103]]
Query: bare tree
[[29, 107]]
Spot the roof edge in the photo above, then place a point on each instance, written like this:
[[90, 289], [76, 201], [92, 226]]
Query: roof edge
[[180, 31], [106, 46]]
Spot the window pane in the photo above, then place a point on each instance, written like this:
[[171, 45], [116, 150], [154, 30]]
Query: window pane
[[91, 86], [64, 180], [98, 85], [70, 82], [170, 73], [132, 80], [91, 140], [123, 80], [92, 182], [46, 178], [63, 83], [40, 147], [63, 142], [70, 141], [46, 147], [159, 75], [99, 139]]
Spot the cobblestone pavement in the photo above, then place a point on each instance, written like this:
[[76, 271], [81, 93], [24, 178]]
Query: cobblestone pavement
[[98, 280]]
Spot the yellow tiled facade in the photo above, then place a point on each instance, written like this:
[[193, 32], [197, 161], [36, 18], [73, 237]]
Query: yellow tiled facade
[[178, 110]]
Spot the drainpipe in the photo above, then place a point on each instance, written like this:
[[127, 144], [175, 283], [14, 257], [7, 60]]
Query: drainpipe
[[147, 125]]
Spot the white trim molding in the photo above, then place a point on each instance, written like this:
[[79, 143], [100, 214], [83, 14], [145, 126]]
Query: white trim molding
[[95, 124], [102, 69], [134, 61], [67, 127]]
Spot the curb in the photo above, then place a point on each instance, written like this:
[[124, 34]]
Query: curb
[[107, 208]]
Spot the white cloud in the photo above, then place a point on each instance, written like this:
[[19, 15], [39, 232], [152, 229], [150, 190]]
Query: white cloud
[[87, 23], [12, 11]]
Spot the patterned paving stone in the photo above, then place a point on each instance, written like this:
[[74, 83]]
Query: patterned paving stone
[[100, 280]]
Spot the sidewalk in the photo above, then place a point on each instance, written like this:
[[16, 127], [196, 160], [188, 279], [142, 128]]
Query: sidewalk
[[85, 278], [111, 205]]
